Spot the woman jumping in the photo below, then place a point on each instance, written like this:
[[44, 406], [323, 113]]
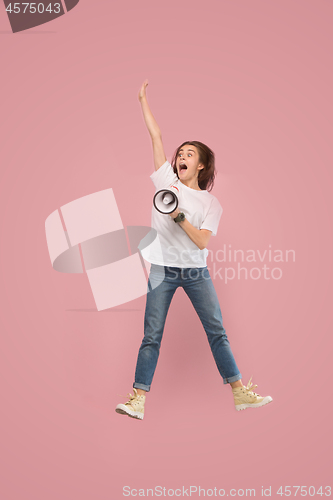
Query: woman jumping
[[178, 259]]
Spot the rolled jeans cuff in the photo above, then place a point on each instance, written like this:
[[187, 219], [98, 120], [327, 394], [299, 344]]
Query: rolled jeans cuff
[[232, 379], [141, 386]]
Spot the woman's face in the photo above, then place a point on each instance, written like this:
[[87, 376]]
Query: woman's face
[[187, 163]]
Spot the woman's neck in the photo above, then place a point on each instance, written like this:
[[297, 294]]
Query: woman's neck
[[193, 184]]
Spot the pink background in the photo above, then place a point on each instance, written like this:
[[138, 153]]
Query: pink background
[[253, 80]]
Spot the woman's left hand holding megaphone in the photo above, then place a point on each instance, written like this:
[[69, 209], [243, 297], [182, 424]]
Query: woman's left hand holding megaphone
[[175, 213]]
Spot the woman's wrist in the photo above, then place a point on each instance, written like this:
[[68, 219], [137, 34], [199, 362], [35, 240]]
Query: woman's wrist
[[175, 213]]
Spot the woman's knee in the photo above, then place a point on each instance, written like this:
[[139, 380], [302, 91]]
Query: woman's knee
[[152, 338], [217, 334]]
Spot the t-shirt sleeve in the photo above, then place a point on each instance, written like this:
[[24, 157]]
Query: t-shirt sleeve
[[164, 177], [213, 216]]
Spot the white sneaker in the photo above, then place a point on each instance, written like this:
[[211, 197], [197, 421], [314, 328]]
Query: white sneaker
[[134, 407], [244, 397]]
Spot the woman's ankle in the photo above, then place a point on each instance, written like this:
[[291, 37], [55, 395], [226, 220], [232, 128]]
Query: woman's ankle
[[238, 383]]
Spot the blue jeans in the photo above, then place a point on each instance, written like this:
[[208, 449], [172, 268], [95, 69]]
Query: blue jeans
[[197, 283]]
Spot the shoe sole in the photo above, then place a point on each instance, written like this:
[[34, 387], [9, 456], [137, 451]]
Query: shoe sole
[[265, 401], [123, 410]]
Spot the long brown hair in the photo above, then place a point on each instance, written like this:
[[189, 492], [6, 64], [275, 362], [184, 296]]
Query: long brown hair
[[206, 175]]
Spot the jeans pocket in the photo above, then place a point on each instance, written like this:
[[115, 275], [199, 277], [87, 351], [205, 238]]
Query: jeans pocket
[[156, 275], [156, 269], [205, 274]]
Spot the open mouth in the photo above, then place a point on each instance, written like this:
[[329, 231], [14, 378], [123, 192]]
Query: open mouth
[[182, 167]]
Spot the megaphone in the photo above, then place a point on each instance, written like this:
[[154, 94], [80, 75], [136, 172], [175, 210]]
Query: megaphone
[[165, 201]]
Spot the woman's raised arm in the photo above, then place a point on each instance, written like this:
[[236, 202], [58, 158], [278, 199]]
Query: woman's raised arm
[[153, 128]]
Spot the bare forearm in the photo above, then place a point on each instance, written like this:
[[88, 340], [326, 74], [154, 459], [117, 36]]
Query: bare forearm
[[150, 121], [200, 237], [193, 233]]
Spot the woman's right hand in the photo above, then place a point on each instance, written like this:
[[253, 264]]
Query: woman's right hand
[[142, 92]]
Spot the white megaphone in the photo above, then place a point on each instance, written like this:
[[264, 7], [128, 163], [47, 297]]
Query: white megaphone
[[165, 201]]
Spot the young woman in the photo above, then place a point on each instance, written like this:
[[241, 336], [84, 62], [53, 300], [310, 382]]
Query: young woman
[[179, 260]]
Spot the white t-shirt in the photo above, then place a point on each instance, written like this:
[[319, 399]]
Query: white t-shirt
[[173, 247]]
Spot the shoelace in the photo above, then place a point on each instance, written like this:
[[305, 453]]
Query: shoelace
[[130, 396], [250, 387]]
